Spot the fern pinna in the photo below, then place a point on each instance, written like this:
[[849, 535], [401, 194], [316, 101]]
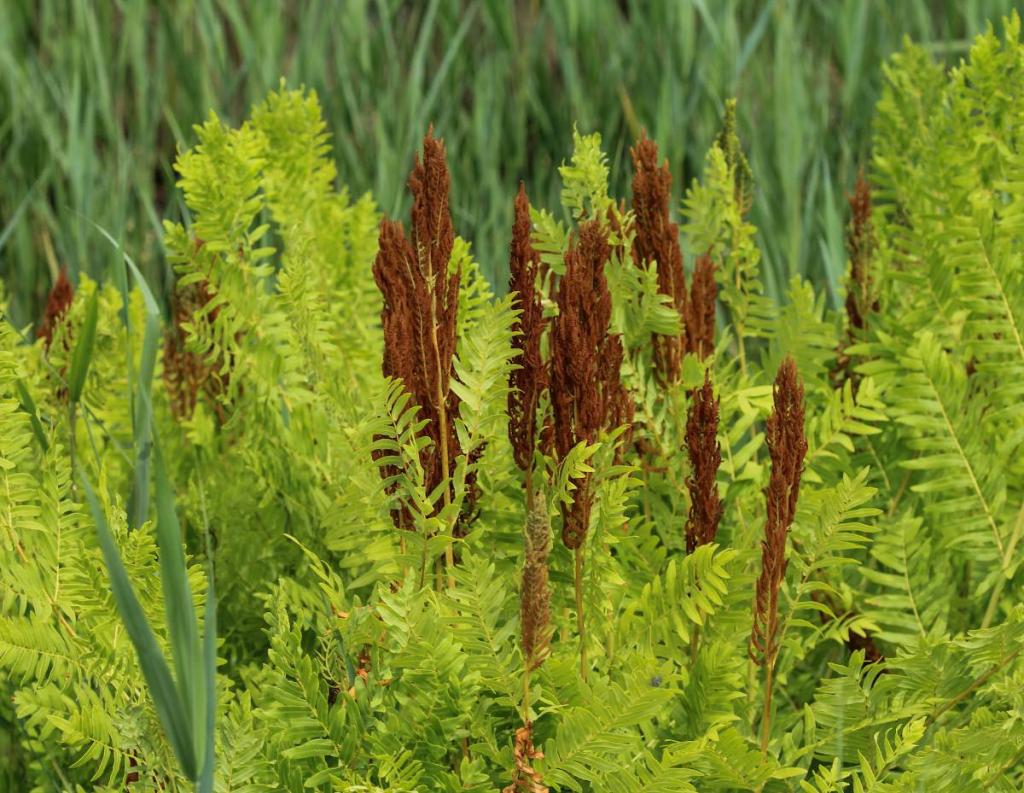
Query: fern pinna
[[791, 535]]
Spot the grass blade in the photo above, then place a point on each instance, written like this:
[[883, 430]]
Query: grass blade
[[169, 707], [210, 673], [82, 355], [29, 406], [142, 426], [143, 409], [182, 625]]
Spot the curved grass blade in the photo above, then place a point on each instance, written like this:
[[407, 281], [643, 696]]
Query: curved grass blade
[[142, 427], [143, 409], [169, 706], [182, 626], [29, 406], [82, 355]]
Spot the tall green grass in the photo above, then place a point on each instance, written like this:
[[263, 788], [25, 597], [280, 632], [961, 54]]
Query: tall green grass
[[95, 97]]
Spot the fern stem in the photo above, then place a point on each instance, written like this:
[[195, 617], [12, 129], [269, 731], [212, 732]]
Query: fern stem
[[966, 462], [72, 446], [60, 773], [423, 565], [530, 499], [530, 495], [997, 591], [738, 320], [1005, 769], [740, 350], [526, 692], [442, 421], [974, 686], [766, 718], [581, 627]]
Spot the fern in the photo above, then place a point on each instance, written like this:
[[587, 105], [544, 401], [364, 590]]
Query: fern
[[590, 741], [585, 178], [662, 618], [349, 661]]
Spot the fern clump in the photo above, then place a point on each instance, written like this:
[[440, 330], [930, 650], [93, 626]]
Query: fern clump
[[791, 538]]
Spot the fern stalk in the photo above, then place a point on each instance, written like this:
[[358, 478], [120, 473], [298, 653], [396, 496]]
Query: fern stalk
[[787, 446], [581, 623], [657, 245], [419, 317], [766, 711], [535, 596], [737, 322], [705, 457], [587, 394], [442, 417], [1011, 549]]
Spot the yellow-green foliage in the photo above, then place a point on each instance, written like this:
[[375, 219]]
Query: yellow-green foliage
[[344, 666]]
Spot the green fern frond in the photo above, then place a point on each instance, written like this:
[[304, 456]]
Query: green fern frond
[[595, 739], [688, 593], [585, 178]]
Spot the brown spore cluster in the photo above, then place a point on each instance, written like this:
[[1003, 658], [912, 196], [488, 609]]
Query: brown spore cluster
[[656, 241], [586, 392], [420, 310], [188, 374], [787, 447], [705, 457], [699, 320], [860, 247], [57, 305], [529, 376]]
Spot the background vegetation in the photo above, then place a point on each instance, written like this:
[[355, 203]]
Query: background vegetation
[[95, 99]]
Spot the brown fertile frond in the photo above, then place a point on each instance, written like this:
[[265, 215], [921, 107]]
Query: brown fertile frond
[[57, 306], [471, 496], [619, 407], [787, 447], [535, 597], [528, 378], [657, 240], [402, 358], [402, 313], [586, 392], [860, 246], [421, 298], [432, 238], [700, 309], [578, 335], [525, 779], [705, 457], [860, 298], [188, 374]]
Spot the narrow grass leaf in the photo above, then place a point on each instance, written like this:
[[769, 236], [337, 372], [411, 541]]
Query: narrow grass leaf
[[29, 406], [169, 706], [210, 674], [182, 625], [143, 408], [142, 426], [82, 355]]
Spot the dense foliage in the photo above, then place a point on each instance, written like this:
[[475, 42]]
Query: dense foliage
[[581, 537]]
